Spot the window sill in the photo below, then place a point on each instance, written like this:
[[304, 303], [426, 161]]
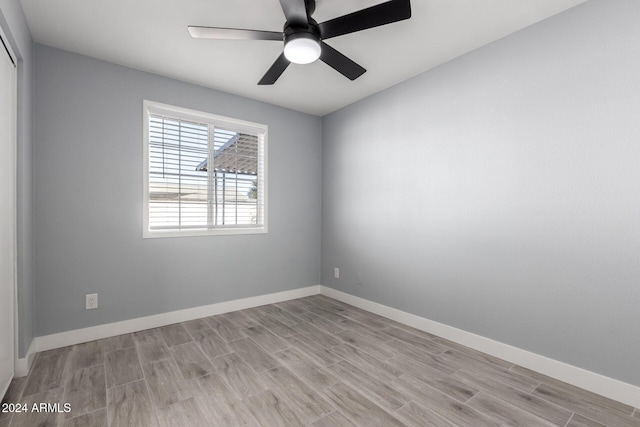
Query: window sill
[[148, 234]]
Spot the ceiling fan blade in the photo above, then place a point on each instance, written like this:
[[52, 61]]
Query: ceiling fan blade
[[232, 34], [275, 71], [340, 63], [295, 11], [374, 16]]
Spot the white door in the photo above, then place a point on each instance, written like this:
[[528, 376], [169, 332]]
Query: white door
[[7, 215]]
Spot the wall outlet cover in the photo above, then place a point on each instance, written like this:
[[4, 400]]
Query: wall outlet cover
[[91, 301]]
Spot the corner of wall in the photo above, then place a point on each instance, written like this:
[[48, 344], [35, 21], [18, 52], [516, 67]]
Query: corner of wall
[[579, 377], [24, 363]]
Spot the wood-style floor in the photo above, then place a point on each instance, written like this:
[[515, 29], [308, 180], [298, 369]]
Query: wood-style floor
[[312, 361]]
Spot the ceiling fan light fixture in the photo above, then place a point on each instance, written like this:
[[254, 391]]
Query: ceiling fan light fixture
[[302, 48]]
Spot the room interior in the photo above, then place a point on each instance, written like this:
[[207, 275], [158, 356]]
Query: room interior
[[474, 190]]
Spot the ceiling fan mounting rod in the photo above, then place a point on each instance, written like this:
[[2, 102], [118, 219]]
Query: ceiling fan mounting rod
[[310, 5]]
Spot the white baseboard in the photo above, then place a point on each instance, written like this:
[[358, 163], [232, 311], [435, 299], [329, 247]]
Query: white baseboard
[[4, 388], [77, 336], [591, 381], [23, 366]]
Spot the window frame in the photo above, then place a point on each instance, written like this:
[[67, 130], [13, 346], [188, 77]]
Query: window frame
[[180, 113]]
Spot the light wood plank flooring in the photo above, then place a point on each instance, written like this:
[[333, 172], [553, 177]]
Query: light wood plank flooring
[[312, 361]]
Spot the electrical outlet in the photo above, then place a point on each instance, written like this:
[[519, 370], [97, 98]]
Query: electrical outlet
[[91, 301], [336, 273]]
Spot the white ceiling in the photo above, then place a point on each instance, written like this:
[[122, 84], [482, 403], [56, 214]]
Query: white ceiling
[[152, 35]]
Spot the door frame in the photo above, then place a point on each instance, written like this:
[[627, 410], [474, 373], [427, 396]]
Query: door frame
[[6, 46]]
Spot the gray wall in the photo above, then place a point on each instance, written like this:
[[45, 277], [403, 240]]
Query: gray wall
[[14, 24], [88, 197], [499, 192]]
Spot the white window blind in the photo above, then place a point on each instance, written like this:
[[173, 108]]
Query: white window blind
[[205, 173]]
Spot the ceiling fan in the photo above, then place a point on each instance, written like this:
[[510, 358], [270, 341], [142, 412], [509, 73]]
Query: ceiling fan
[[304, 38]]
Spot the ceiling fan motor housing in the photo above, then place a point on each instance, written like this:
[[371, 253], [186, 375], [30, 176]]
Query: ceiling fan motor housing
[[312, 28]]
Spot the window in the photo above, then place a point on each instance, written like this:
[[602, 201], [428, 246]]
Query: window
[[204, 174]]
